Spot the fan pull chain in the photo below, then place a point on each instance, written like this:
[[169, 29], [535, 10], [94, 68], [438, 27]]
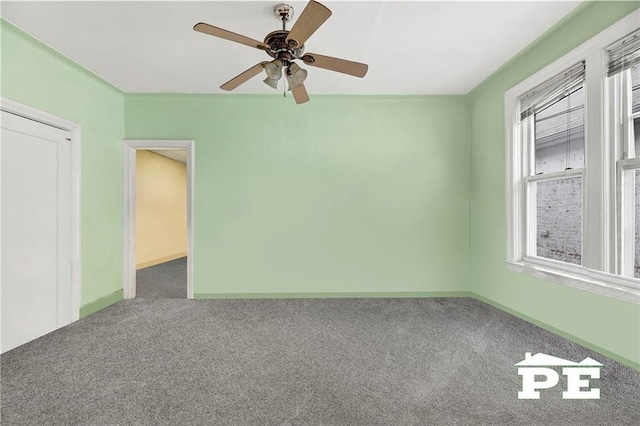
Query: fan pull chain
[[284, 88]]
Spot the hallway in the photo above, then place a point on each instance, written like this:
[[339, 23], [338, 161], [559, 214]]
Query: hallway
[[164, 281]]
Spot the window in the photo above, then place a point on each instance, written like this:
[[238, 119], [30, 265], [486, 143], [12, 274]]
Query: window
[[623, 70], [573, 167], [552, 125]]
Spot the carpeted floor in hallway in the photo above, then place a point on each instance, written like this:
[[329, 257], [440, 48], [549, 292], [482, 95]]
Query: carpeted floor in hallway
[[166, 280]]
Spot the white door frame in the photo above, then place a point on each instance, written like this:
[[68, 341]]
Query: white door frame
[[31, 113], [130, 146]]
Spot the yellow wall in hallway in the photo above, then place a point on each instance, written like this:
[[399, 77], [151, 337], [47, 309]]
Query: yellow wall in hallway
[[161, 209]]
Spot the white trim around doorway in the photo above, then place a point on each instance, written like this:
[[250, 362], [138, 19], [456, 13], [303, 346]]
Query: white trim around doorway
[[34, 114], [129, 148]]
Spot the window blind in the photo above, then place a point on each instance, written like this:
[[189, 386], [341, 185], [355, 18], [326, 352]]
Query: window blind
[[624, 53], [551, 90], [635, 90]]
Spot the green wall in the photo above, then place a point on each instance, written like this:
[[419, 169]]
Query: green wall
[[600, 321], [341, 195], [35, 75]]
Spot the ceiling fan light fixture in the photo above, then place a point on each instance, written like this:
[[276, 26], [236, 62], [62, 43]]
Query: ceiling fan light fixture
[[296, 76], [271, 82], [274, 69]]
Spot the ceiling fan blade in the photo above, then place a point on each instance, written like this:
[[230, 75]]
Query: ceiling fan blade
[[245, 76], [228, 35], [312, 17], [300, 94], [336, 64]]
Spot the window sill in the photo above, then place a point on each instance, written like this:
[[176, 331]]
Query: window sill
[[602, 283]]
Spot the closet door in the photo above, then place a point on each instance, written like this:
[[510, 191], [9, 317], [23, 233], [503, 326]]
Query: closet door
[[36, 229]]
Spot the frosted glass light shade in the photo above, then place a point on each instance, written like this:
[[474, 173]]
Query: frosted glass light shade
[[271, 82], [296, 76], [274, 69]]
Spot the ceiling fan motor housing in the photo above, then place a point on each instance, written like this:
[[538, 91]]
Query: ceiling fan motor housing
[[280, 49]]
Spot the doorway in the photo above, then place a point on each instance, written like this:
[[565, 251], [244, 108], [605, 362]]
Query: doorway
[[158, 229], [40, 223]]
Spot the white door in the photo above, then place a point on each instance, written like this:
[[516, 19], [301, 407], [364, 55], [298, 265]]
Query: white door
[[36, 229]]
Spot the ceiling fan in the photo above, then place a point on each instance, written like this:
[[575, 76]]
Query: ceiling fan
[[285, 47]]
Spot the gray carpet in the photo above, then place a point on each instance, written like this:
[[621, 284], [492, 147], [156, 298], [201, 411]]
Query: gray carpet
[[164, 281], [439, 361]]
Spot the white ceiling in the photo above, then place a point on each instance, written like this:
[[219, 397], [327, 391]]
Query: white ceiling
[[430, 47]]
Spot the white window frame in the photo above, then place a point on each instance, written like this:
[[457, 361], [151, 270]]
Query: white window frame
[[627, 163], [601, 219]]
